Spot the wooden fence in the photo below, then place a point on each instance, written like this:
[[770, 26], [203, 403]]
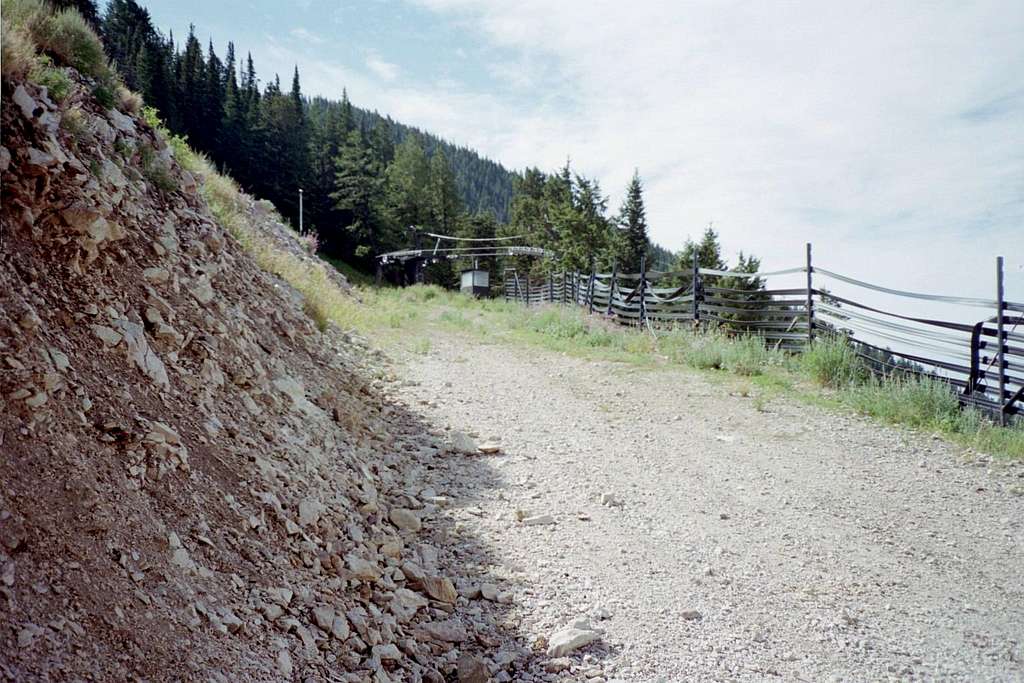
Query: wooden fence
[[983, 361]]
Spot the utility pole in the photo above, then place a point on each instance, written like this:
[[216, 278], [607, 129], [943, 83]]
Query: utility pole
[[301, 232]]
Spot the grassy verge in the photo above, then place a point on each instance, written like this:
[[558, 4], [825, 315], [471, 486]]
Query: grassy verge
[[830, 374], [353, 275]]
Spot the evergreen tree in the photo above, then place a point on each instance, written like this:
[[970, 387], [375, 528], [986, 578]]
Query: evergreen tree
[[445, 206], [408, 186], [213, 104], [357, 193], [232, 126], [191, 77], [633, 221]]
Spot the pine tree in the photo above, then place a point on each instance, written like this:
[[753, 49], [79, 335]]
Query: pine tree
[[407, 185], [213, 104], [633, 221], [191, 76], [445, 205], [357, 193]]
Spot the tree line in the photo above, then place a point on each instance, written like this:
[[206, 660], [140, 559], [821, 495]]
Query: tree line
[[367, 178], [359, 170]]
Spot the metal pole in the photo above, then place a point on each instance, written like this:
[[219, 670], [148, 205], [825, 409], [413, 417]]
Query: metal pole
[[643, 290], [590, 286], [611, 287], [695, 306], [810, 298], [301, 232], [1001, 338]]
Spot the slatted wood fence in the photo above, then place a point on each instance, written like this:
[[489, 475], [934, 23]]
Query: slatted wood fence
[[983, 361]]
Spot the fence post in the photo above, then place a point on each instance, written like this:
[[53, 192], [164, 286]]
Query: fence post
[[564, 286], [810, 299], [611, 287], [551, 286], [695, 286], [526, 299], [590, 286], [1000, 338], [643, 290]]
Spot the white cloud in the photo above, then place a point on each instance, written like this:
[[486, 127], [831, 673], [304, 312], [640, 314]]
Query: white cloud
[[384, 70], [887, 135], [306, 36]]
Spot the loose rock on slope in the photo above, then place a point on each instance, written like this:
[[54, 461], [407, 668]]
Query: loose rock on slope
[[197, 482]]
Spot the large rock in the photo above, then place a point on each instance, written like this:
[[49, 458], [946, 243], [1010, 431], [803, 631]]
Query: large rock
[[364, 570], [406, 520], [309, 511], [121, 122], [30, 109], [472, 669], [463, 443], [571, 638], [111, 174], [448, 631], [405, 603], [440, 588], [141, 354]]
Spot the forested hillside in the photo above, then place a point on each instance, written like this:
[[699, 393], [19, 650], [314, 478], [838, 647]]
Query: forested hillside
[[366, 178], [274, 140]]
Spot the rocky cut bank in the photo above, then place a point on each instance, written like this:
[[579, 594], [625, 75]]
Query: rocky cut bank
[[196, 483]]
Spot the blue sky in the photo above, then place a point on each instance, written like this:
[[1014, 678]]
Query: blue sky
[[891, 135]]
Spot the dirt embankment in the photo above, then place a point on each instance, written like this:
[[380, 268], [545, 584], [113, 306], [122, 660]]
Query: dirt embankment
[[195, 482]]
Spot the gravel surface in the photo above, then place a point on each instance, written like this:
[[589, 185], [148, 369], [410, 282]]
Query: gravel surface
[[710, 540]]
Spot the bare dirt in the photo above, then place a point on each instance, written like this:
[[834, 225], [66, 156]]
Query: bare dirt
[[734, 543]]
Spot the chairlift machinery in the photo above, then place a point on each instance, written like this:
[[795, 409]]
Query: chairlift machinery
[[474, 279]]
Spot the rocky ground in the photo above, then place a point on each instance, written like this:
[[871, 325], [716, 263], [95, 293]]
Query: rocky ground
[[691, 536], [196, 483]]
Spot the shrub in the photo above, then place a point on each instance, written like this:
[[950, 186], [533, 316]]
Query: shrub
[[73, 121], [104, 94], [57, 83], [746, 355], [913, 401], [68, 37], [310, 242], [832, 362], [155, 170], [128, 101], [17, 53], [707, 350]]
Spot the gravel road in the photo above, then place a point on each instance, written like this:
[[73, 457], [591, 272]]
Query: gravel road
[[788, 543]]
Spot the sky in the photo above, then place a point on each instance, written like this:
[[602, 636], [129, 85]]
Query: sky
[[888, 134]]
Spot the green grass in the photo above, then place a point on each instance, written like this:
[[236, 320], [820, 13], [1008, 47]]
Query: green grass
[[351, 273], [830, 374], [57, 83]]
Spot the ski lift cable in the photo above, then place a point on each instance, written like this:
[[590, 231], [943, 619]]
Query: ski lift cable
[[473, 239]]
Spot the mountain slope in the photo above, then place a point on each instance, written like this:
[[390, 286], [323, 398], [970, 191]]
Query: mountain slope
[[198, 483]]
